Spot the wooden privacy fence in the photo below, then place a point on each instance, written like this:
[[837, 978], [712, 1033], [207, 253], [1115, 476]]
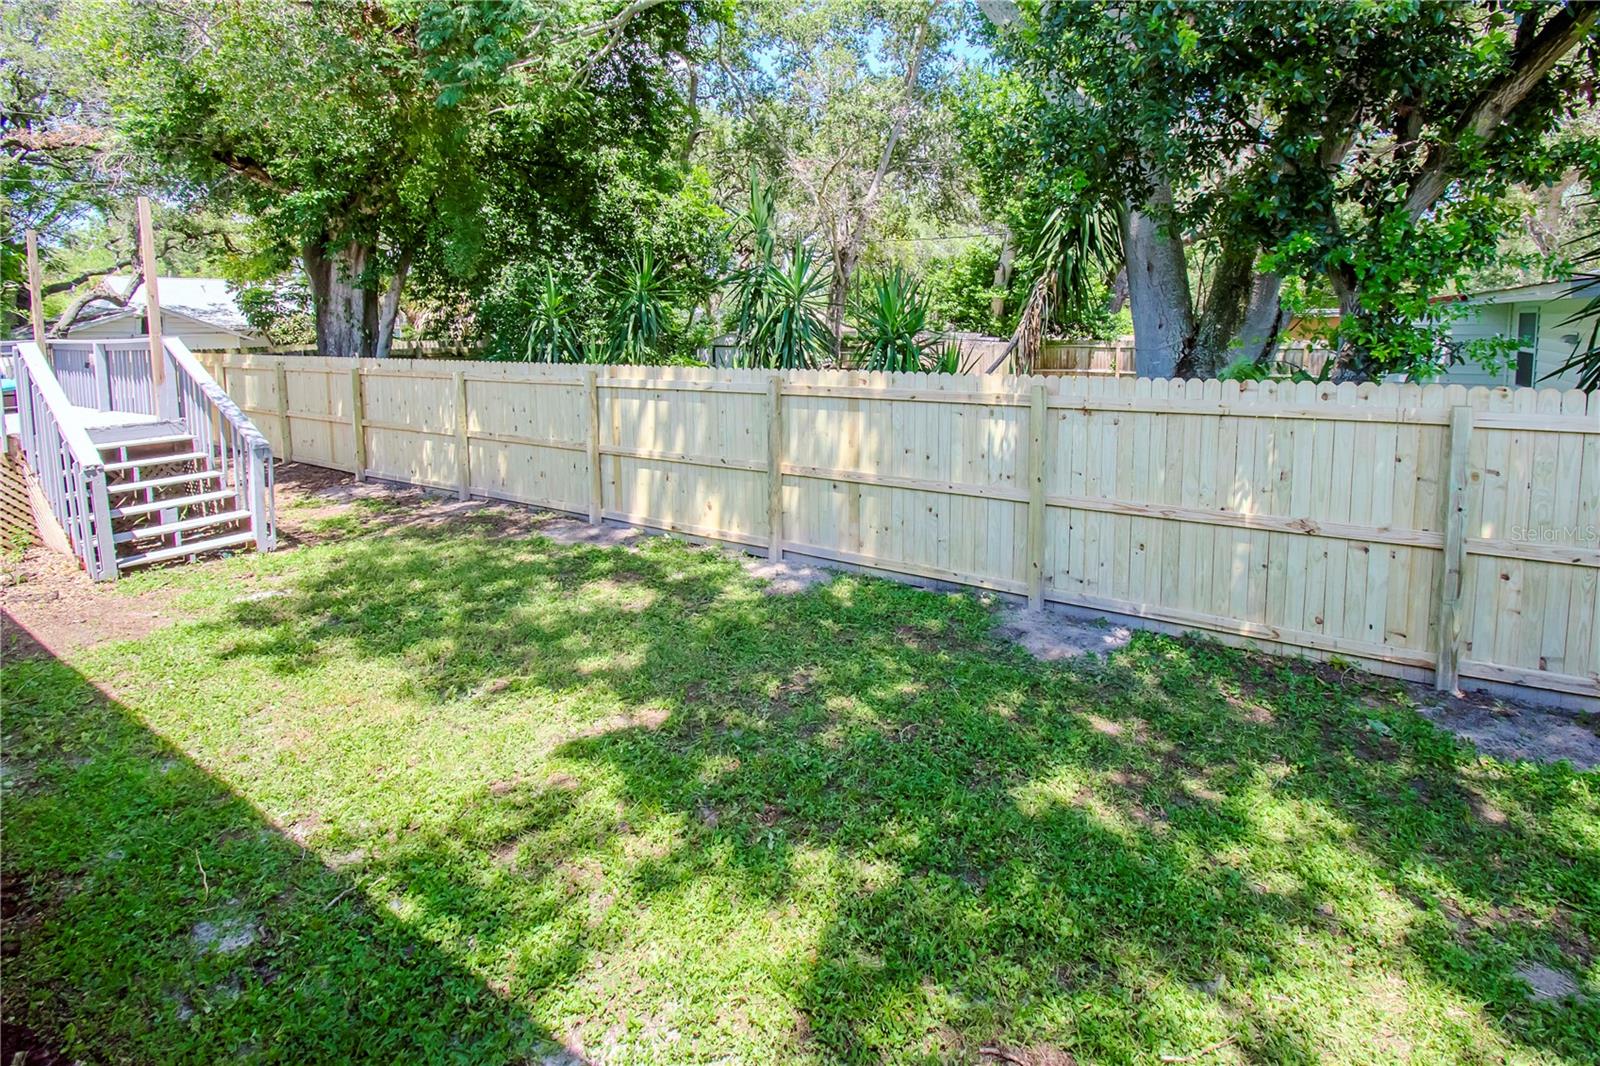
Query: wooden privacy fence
[[1412, 528]]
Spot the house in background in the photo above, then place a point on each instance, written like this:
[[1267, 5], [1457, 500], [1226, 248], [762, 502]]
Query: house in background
[[1539, 318], [201, 312]]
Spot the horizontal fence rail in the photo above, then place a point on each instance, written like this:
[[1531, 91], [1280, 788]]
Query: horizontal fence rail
[[1428, 531]]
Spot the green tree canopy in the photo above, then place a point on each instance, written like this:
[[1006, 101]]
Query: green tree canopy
[[1365, 147], [370, 138]]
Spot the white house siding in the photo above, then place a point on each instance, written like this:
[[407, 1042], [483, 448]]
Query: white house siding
[[1556, 338], [1554, 346], [1480, 322]]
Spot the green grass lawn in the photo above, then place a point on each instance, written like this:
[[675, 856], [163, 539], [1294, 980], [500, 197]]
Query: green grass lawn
[[442, 795]]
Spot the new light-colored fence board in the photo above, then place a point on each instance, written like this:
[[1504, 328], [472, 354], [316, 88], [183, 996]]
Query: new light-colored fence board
[[1389, 524]]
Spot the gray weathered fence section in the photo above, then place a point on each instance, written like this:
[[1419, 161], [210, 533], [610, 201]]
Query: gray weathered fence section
[[1418, 530]]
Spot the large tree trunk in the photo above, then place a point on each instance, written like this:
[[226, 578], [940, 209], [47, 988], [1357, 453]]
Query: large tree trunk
[[1227, 299], [346, 305], [1263, 318], [1158, 290], [391, 306]]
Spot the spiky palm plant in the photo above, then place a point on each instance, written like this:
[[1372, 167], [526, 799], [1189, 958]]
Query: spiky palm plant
[[791, 332], [755, 227], [638, 320], [951, 358], [1072, 250], [551, 338], [890, 317]]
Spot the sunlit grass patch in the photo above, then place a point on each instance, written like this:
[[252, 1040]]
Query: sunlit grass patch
[[477, 797]]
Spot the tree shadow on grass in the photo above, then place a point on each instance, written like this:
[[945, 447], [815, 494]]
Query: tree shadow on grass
[[153, 914], [1180, 846]]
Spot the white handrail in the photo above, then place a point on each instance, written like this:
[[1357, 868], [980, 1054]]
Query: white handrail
[[184, 358], [72, 432], [204, 407]]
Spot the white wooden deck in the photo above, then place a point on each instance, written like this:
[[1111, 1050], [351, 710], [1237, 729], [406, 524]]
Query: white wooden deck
[[91, 419]]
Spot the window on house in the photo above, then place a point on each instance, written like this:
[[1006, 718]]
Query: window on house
[[1527, 345]]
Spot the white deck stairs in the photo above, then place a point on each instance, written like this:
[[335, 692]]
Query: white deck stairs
[[140, 468], [168, 499]]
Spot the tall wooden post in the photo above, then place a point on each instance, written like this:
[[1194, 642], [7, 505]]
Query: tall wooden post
[[286, 435], [591, 395], [1448, 623], [463, 443], [358, 427], [35, 300], [1038, 411], [152, 297], [775, 466]]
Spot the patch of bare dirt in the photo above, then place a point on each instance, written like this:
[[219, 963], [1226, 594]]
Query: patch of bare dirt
[[1052, 635], [1514, 731], [49, 606]]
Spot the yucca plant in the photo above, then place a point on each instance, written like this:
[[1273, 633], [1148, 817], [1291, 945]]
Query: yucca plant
[[638, 318], [890, 318], [791, 332], [950, 358], [551, 338], [755, 227]]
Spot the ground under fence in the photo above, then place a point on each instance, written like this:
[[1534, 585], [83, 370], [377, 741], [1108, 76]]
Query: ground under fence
[[1409, 528]]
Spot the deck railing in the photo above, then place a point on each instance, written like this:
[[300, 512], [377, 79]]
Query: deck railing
[[110, 375], [65, 461], [223, 432]]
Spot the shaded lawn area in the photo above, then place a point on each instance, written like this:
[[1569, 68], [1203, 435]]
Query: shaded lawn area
[[445, 795]]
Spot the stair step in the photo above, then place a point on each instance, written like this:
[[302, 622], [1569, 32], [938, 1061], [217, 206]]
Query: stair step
[[153, 460], [147, 442], [181, 526], [176, 502], [182, 551], [163, 482]]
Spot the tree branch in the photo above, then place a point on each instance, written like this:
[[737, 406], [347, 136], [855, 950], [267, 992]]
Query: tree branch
[[1533, 58], [100, 291]]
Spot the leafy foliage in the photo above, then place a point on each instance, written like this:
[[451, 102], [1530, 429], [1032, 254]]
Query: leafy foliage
[[890, 318], [960, 289], [1346, 143]]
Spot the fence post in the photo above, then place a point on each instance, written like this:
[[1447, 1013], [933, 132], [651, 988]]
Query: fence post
[[463, 452], [1446, 675], [282, 374], [591, 395], [775, 466], [1037, 411], [357, 422]]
